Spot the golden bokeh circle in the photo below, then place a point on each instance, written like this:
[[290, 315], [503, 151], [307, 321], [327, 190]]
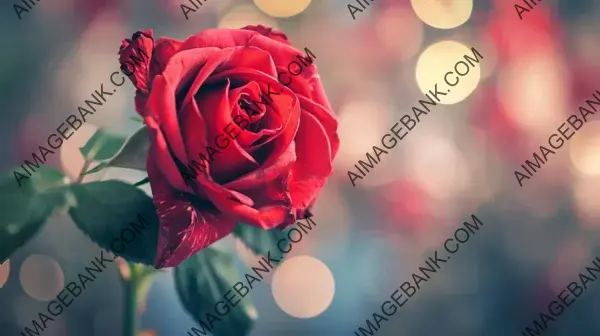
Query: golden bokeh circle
[[245, 15], [443, 57], [282, 8], [443, 14]]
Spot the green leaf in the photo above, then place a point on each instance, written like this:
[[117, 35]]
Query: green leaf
[[108, 210], [46, 178], [132, 155], [51, 185], [25, 209], [101, 146], [258, 240], [201, 281]]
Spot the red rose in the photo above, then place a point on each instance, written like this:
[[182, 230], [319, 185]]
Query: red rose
[[258, 151]]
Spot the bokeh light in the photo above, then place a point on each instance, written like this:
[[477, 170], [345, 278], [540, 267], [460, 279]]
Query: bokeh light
[[489, 67], [586, 192], [59, 6], [282, 8], [570, 259], [397, 19], [41, 277], [585, 149], [303, 287], [4, 272], [533, 92], [244, 15], [148, 333], [426, 156], [443, 14], [441, 58], [71, 158], [88, 66], [352, 118]]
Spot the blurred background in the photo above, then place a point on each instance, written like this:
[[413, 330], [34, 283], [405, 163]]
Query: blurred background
[[459, 160]]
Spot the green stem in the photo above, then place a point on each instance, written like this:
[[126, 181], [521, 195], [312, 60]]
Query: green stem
[[85, 167], [136, 281], [130, 297]]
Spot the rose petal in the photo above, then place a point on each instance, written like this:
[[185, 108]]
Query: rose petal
[[159, 53], [239, 207], [140, 101], [287, 108], [326, 118], [160, 151], [161, 105], [258, 178], [270, 123], [233, 159], [195, 130], [298, 84], [248, 92], [135, 56], [249, 57], [318, 95], [266, 217], [313, 164], [164, 49], [219, 38], [185, 228], [283, 55], [268, 187], [269, 32], [209, 67], [286, 105], [195, 136]]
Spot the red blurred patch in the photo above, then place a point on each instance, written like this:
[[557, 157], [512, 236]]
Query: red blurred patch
[[405, 203]]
